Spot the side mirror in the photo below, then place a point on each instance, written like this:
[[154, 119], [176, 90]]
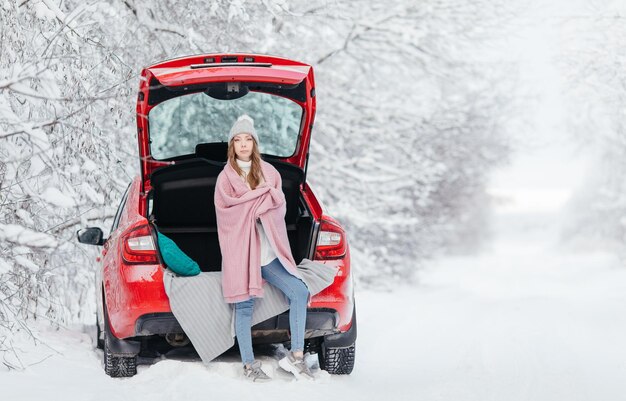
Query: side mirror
[[90, 236]]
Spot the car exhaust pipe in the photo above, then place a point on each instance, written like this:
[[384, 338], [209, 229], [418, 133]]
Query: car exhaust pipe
[[177, 339]]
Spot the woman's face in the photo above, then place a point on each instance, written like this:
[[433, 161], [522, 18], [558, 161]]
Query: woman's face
[[243, 144]]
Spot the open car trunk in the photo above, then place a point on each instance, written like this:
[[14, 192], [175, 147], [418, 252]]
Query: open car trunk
[[181, 206]]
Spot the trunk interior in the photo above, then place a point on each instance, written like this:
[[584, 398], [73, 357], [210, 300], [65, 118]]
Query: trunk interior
[[181, 207]]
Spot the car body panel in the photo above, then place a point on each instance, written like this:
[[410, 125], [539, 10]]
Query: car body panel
[[182, 76]]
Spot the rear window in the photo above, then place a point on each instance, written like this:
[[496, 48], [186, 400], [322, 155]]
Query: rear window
[[177, 125]]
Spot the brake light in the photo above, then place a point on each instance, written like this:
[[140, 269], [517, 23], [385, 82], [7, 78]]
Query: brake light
[[139, 246], [331, 241]]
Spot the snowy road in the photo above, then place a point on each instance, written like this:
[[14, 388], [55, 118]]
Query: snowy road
[[522, 321]]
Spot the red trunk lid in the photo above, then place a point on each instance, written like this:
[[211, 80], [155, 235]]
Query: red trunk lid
[[185, 75]]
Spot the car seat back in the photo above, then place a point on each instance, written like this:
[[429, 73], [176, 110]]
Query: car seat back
[[183, 207]]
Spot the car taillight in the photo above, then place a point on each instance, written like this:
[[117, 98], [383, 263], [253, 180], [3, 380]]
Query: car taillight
[[139, 246], [331, 241]]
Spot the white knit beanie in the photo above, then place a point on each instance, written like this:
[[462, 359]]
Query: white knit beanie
[[243, 125]]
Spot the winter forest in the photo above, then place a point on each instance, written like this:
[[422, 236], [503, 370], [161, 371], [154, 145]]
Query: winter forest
[[465, 147]]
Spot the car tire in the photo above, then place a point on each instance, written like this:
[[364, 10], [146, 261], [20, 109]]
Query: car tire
[[116, 365], [337, 361]]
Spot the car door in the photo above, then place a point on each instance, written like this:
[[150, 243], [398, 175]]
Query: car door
[[105, 259]]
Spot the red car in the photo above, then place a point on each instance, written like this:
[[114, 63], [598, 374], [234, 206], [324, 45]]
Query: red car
[[185, 108]]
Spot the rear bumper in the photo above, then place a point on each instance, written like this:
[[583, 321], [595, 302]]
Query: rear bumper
[[316, 319], [319, 322]]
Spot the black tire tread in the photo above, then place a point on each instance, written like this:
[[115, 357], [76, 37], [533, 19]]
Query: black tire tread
[[119, 366], [338, 361]]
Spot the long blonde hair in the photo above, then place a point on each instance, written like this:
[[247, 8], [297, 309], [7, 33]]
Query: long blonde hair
[[256, 173]]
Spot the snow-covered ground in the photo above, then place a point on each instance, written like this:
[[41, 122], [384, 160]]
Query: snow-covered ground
[[526, 320]]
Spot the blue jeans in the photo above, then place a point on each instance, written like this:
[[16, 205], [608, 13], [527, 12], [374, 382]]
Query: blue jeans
[[298, 294]]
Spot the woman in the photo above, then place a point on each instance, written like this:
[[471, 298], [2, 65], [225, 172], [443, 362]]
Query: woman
[[250, 210]]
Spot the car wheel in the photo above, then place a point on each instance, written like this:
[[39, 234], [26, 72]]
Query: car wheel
[[116, 365], [337, 361]]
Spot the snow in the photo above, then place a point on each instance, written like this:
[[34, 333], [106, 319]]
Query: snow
[[25, 216], [4, 266], [23, 261], [43, 11], [93, 195], [18, 234], [527, 319], [89, 165], [55, 197]]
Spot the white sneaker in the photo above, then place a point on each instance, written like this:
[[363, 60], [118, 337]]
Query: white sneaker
[[297, 366]]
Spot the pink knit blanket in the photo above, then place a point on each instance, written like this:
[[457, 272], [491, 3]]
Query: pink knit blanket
[[237, 207]]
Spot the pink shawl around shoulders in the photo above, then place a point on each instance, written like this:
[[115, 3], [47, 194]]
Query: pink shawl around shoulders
[[237, 207]]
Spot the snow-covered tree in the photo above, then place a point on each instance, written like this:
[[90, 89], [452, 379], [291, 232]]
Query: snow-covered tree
[[410, 118], [408, 125], [594, 60]]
